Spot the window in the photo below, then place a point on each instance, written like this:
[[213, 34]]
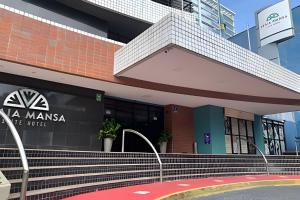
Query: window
[[274, 137], [239, 136]]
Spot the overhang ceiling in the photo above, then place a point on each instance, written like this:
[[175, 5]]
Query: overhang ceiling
[[179, 67], [141, 94], [177, 52]]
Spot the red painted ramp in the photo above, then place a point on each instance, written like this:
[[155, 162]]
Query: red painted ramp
[[156, 190]]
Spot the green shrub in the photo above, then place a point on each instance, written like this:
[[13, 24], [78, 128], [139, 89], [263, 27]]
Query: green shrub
[[165, 136], [109, 129]]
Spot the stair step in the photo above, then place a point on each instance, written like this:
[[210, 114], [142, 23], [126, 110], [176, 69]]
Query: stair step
[[77, 186], [135, 164], [150, 158], [203, 175], [56, 174], [75, 166], [76, 158], [13, 181], [99, 184]]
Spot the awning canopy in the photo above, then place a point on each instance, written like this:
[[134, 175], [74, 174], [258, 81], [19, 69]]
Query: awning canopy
[[178, 52]]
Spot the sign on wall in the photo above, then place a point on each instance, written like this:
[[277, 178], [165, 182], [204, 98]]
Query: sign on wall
[[28, 107], [207, 138], [51, 119], [275, 23]]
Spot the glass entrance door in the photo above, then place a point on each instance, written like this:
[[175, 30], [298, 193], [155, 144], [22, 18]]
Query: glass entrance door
[[144, 118], [274, 137], [238, 136]]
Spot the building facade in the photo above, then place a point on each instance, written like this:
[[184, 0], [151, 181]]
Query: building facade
[[207, 13], [210, 17], [67, 65], [289, 58]]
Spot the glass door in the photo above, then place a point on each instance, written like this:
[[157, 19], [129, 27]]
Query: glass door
[[274, 137], [239, 135]]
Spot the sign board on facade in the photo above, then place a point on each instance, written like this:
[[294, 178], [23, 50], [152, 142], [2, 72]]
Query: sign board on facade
[[98, 97], [207, 138], [50, 118], [275, 23]]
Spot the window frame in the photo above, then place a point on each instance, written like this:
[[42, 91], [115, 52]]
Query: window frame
[[273, 123], [228, 131]]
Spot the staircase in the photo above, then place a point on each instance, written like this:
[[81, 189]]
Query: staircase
[[284, 165], [58, 174]]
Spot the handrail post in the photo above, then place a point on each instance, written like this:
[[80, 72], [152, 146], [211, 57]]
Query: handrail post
[[21, 152], [266, 161], [296, 145], [123, 140], [151, 145]]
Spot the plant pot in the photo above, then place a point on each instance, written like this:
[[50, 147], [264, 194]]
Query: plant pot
[[107, 144], [163, 147]]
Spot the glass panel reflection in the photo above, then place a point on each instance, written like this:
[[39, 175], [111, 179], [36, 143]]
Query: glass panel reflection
[[281, 133], [274, 137], [238, 136], [277, 147], [265, 128], [282, 146], [244, 146], [242, 127], [252, 148], [228, 144], [249, 128], [267, 148], [270, 131], [234, 126], [236, 144]]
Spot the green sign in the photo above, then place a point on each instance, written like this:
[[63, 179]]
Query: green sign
[[272, 16], [98, 97]]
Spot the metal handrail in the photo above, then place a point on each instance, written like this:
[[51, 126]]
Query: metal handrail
[[22, 154], [297, 140], [263, 155], [151, 145]]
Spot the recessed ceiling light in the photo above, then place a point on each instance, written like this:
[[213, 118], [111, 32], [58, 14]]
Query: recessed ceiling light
[[108, 112]]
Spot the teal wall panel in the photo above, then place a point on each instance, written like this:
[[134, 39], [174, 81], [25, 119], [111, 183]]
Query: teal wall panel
[[202, 125], [217, 130], [210, 119], [258, 133]]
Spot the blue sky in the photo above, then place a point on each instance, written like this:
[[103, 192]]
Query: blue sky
[[245, 10]]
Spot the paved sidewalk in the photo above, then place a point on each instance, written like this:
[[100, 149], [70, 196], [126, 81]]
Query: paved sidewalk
[[157, 190], [264, 193]]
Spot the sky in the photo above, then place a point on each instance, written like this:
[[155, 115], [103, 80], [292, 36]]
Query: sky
[[245, 10]]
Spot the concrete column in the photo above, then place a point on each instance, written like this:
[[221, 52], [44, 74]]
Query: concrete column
[[258, 133], [210, 120], [179, 122]]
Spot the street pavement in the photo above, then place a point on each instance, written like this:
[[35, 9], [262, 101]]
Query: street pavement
[[264, 193]]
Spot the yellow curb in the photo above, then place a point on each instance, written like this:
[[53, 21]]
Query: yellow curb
[[217, 189]]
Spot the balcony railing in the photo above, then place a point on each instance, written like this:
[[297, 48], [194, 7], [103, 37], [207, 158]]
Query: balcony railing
[[185, 5]]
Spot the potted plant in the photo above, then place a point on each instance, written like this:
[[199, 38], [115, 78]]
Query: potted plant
[[163, 140], [108, 132]]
